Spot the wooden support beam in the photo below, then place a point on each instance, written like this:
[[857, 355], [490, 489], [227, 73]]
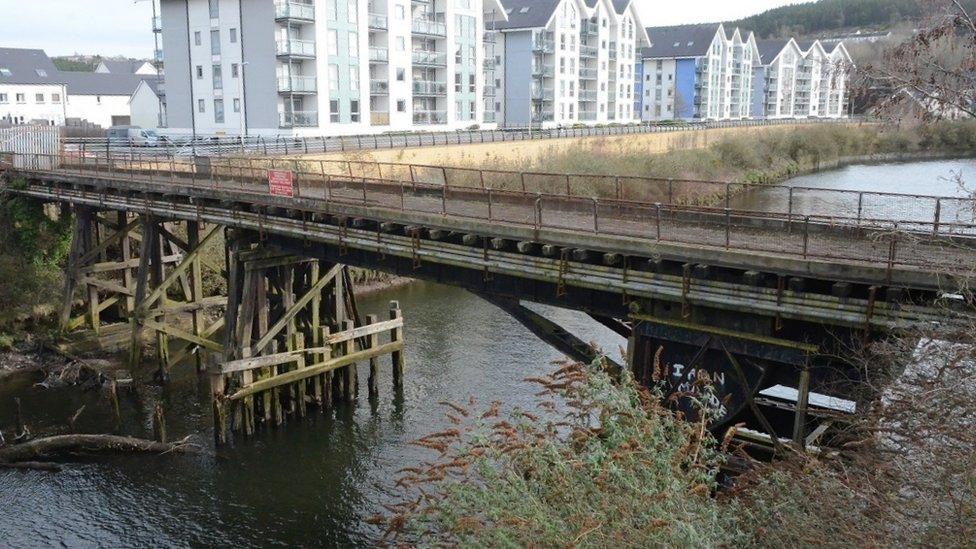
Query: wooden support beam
[[179, 271], [528, 247], [289, 314], [186, 336], [372, 342], [396, 337], [142, 280]]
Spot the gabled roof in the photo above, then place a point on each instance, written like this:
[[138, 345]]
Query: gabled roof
[[621, 5], [27, 67], [94, 83], [126, 66], [527, 14], [770, 48], [681, 40]]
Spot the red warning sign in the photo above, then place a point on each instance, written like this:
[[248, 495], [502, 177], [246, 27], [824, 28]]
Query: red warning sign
[[280, 183]]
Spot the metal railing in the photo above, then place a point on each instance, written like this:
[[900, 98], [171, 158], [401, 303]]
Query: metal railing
[[428, 27], [295, 48], [213, 145], [377, 21], [298, 119], [429, 117], [379, 54], [431, 58], [944, 242], [285, 9], [379, 87], [429, 88], [297, 84]]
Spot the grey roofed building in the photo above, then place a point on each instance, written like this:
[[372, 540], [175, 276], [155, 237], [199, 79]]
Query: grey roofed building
[[527, 14], [27, 66], [93, 83], [769, 48], [125, 66], [680, 41]]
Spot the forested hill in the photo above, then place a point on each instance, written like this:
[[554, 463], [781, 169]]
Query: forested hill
[[814, 18]]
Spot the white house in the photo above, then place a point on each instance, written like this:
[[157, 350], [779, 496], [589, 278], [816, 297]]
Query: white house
[[105, 98], [31, 88], [800, 80], [126, 66], [775, 78]]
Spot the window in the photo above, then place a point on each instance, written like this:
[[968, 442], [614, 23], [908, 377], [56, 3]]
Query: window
[[353, 46], [334, 77], [235, 70], [333, 42], [55, 98], [457, 83], [4, 98], [199, 72], [218, 78], [352, 10], [400, 12], [333, 10], [39, 98], [214, 9], [472, 83], [354, 110], [215, 42], [401, 44], [41, 72], [197, 38], [400, 75], [334, 110], [237, 105], [457, 54], [401, 105], [354, 77], [201, 105], [233, 36], [98, 99], [21, 98], [4, 71], [219, 111]]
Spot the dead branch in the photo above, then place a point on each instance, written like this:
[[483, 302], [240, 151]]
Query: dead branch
[[66, 445]]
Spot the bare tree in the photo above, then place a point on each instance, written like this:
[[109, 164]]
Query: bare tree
[[932, 74]]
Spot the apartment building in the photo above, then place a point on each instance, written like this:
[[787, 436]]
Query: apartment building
[[800, 80], [314, 67], [567, 62], [31, 88], [697, 72]]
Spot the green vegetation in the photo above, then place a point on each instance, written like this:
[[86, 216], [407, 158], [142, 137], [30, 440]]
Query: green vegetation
[[759, 157], [814, 18], [74, 65], [31, 256]]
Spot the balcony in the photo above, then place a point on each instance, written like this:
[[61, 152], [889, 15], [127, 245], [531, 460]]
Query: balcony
[[488, 64], [298, 119], [489, 91], [430, 117], [294, 11], [379, 87], [543, 46], [429, 58], [158, 56], [379, 118], [428, 27], [299, 49], [588, 51], [587, 95], [428, 88], [157, 24], [297, 84], [587, 74], [543, 71], [613, 51], [378, 22], [489, 117], [587, 115], [378, 55], [542, 94], [542, 116], [590, 27]]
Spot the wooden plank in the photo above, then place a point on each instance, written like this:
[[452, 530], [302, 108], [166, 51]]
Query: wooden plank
[[289, 315], [315, 369], [188, 347], [106, 285], [186, 336], [173, 276], [245, 364], [90, 255]]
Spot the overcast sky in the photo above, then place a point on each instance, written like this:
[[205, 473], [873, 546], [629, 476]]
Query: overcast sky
[[122, 27]]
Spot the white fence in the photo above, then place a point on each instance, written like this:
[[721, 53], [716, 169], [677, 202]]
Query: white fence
[[35, 147]]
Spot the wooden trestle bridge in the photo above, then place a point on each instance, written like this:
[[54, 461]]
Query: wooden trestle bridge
[[754, 300]]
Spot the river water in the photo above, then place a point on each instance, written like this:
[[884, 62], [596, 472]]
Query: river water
[[315, 481]]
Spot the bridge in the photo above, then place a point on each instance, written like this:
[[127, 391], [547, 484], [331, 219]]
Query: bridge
[[757, 303]]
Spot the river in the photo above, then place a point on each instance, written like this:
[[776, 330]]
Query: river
[[315, 481]]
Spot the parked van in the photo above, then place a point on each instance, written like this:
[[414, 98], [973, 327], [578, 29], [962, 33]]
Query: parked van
[[132, 136]]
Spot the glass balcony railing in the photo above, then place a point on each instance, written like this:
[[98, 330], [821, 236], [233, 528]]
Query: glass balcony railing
[[489, 117], [289, 47], [542, 94], [300, 11], [588, 51], [378, 55], [587, 115], [297, 84], [298, 119], [543, 46], [587, 73], [429, 117], [587, 95], [542, 71], [590, 27], [379, 87], [157, 24], [378, 22], [429, 27], [542, 116], [429, 88], [158, 56], [377, 118], [430, 58]]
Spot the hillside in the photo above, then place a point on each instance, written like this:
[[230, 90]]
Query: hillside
[[826, 16]]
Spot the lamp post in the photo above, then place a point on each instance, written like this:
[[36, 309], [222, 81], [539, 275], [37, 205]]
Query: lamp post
[[240, 95]]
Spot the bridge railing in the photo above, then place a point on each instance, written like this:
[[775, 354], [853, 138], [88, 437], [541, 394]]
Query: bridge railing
[[214, 145], [938, 245]]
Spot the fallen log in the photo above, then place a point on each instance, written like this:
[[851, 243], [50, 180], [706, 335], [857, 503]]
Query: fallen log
[[63, 445], [33, 466]]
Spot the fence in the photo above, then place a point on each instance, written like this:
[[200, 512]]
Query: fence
[[938, 245], [190, 145], [32, 144]]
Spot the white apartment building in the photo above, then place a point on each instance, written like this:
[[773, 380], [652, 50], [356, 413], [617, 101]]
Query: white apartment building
[[697, 72], [316, 67], [794, 80], [31, 88], [567, 62]]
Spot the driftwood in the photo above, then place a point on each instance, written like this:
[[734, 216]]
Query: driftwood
[[63, 445]]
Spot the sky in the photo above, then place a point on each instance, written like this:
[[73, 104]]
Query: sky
[[123, 27]]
